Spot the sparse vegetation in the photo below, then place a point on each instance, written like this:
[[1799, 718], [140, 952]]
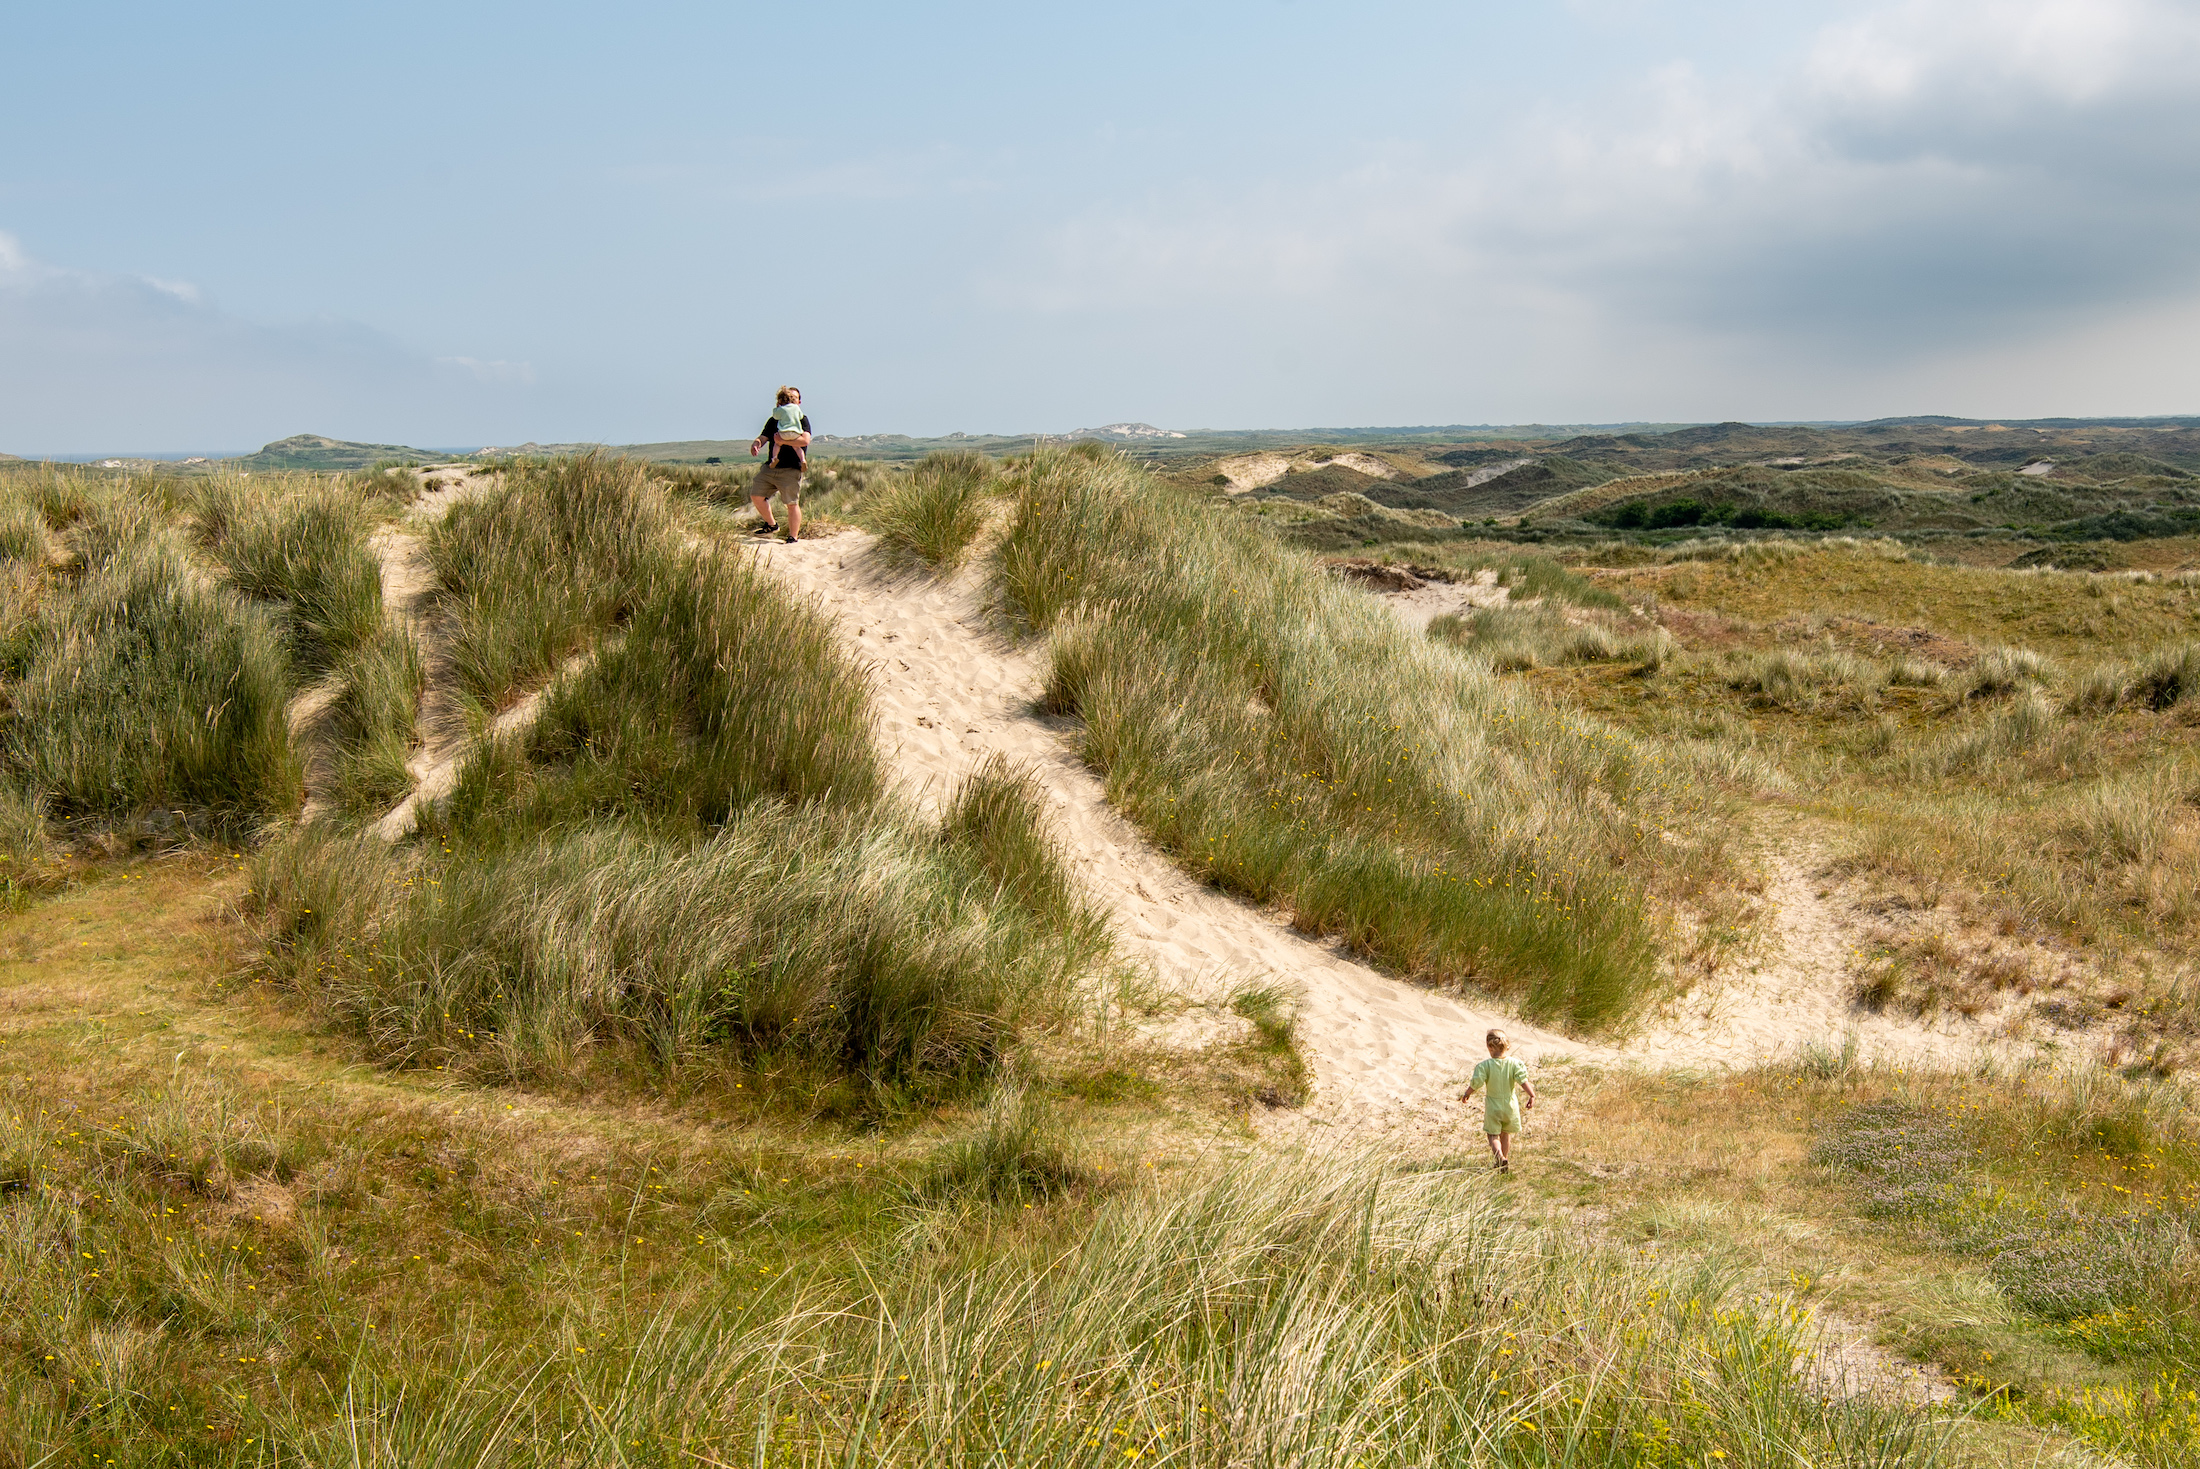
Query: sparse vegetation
[[1514, 638], [1990, 791], [381, 1281]]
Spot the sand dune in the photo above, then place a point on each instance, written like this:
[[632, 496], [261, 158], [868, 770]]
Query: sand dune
[[1387, 1056]]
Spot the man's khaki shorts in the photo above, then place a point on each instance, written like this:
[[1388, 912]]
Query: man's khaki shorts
[[775, 479]]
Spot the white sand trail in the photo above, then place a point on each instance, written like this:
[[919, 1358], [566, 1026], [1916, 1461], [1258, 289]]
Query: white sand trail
[[1388, 1057], [951, 692], [443, 733]]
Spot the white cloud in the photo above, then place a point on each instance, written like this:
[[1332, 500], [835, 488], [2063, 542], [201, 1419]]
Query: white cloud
[[2075, 52], [1924, 179]]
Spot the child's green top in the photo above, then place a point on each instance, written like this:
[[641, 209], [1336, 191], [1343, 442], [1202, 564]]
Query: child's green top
[[1497, 1077], [789, 418]]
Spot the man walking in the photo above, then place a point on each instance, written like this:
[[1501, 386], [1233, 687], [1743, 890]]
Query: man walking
[[787, 431]]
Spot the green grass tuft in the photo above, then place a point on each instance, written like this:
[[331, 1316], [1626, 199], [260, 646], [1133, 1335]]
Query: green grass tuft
[[530, 570], [721, 690], [1014, 1156], [142, 686], [799, 936], [934, 513], [998, 818], [372, 722], [304, 549]]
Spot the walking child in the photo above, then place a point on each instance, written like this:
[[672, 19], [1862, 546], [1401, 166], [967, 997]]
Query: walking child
[[1503, 1083]]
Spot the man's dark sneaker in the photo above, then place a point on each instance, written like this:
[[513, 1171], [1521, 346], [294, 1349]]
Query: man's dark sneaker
[[791, 538], [765, 528]]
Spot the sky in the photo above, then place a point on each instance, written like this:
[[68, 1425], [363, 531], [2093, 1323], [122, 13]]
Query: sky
[[459, 224]]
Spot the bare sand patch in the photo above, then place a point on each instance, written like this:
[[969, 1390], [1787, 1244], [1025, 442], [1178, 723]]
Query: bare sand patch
[[1245, 473], [1248, 472]]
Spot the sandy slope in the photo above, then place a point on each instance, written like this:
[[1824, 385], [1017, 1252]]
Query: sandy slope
[[1388, 1056], [1248, 472]]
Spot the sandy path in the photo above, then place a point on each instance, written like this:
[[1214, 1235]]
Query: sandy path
[[306, 716], [444, 736], [408, 599], [950, 692], [1387, 1056]]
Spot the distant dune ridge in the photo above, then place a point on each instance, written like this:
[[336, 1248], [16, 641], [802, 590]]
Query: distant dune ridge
[[1479, 472]]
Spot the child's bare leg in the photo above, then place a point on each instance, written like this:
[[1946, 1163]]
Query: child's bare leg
[[1504, 1146], [1497, 1150]]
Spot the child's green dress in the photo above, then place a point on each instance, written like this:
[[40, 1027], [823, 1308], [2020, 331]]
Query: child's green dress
[[1500, 1108]]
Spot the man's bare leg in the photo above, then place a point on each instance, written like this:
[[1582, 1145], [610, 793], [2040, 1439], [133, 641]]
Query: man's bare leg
[[763, 504], [794, 520]]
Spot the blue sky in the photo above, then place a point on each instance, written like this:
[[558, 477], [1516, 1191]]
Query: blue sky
[[483, 223]]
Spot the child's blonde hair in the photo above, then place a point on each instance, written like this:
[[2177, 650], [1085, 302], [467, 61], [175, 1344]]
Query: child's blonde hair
[[1495, 1040], [786, 395]]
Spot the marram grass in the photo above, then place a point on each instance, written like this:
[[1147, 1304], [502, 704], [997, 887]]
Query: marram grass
[[1327, 1313], [144, 684], [689, 858], [301, 548], [934, 513], [1285, 737]]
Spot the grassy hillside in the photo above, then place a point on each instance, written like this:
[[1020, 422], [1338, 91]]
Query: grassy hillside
[[1408, 805], [2003, 763], [1504, 494], [672, 1093], [320, 453], [2093, 508]]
